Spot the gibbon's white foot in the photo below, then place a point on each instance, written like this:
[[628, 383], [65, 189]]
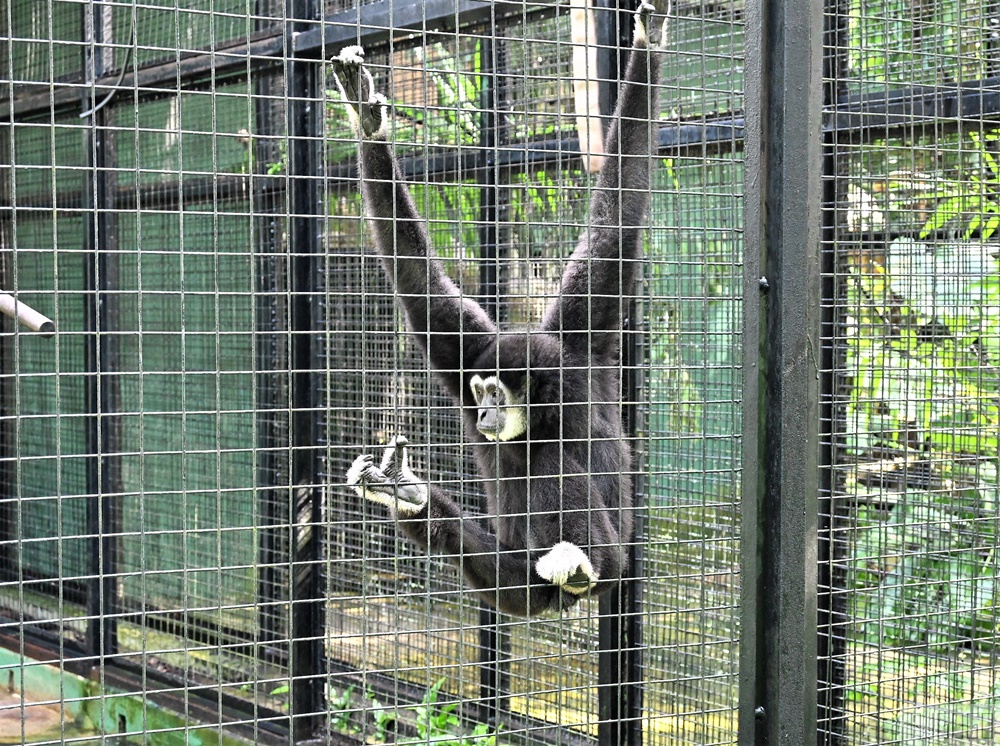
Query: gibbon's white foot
[[567, 566], [391, 484], [367, 109]]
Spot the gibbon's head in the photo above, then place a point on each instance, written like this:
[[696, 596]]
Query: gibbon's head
[[502, 412]]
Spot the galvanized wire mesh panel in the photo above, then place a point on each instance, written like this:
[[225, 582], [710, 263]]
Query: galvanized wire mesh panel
[[42, 41], [706, 47], [397, 620], [692, 421], [392, 612], [50, 433], [172, 506], [143, 460], [913, 260]]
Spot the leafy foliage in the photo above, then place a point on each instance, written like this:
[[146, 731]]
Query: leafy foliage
[[438, 724], [973, 200], [923, 347], [903, 42], [920, 347], [455, 117], [926, 569], [435, 722]]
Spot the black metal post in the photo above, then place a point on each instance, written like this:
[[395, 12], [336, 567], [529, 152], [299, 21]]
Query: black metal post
[[272, 316], [8, 386], [493, 205], [100, 315], [305, 129], [781, 370], [494, 642], [620, 693], [831, 611]]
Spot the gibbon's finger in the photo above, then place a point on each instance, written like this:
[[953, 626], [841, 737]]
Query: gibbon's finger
[[348, 68], [358, 469]]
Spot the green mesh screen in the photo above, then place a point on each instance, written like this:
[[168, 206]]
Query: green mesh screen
[[188, 472], [692, 430], [42, 39], [49, 271]]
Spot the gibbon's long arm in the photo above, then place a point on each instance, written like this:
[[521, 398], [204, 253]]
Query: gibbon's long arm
[[516, 580], [504, 577], [602, 269], [453, 329]]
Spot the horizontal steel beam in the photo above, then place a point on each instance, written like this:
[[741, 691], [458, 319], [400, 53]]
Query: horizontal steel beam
[[370, 25], [150, 81], [914, 107], [378, 22], [162, 195], [721, 136]]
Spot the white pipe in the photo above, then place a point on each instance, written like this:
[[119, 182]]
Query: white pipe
[[586, 88], [16, 309]]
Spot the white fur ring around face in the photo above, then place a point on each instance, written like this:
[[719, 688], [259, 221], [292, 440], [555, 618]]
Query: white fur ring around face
[[564, 561]]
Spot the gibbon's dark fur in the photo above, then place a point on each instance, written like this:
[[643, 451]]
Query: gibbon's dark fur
[[560, 493]]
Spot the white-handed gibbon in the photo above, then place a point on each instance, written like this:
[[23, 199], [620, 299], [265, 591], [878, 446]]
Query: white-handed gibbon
[[543, 407]]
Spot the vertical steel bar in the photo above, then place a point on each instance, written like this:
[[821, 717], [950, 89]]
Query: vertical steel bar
[[619, 626], [494, 642], [100, 315], [270, 318], [9, 386], [490, 205], [781, 401], [831, 644], [305, 129]]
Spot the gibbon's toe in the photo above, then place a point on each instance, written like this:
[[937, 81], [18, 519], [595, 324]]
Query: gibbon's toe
[[567, 566], [399, 490], [394, 460], [374, 116]]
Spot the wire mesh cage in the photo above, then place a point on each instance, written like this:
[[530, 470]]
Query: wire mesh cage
[[911, 231], [184, 204], [211, 339]]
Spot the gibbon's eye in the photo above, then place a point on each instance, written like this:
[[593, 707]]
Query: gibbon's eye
[[478, 391]]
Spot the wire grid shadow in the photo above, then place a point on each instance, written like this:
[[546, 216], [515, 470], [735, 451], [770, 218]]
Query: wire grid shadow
[[181, 556]]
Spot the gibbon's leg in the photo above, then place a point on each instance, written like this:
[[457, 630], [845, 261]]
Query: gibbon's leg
[[515, 580], [454, 330], [603, 267]]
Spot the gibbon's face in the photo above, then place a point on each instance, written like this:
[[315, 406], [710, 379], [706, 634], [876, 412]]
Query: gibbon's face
[[502, 413]]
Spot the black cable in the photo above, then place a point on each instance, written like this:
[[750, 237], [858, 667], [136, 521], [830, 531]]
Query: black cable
[[121, 76]]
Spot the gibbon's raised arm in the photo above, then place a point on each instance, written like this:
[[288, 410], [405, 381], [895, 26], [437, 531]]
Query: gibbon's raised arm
[[601, 271], [451, 328]]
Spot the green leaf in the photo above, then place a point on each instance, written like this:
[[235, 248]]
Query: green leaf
[[946, 211], [991, 227]]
